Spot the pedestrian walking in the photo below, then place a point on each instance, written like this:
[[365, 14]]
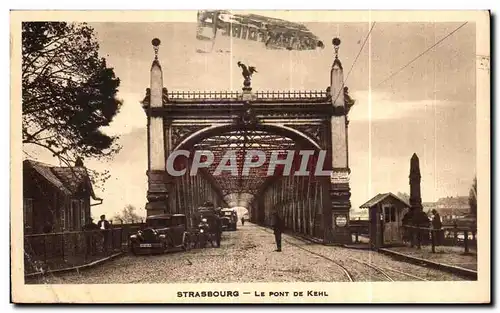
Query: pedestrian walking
[[218, 230], [242, 221], [437, 224], [277, 224]]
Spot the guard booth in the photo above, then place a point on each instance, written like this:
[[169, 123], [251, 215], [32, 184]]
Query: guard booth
[[386, 213]]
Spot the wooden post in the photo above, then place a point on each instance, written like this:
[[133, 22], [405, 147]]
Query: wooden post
[[86, 249], [419, 238], [44, 248], [121, 238], [112, 240], [75, 243], [412, 236], [433, 240], [466, 241], [62, 245]]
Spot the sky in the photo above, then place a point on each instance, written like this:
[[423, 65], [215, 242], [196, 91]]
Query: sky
[[428, 108]]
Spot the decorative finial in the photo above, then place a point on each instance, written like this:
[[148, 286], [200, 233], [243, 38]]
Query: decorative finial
[[247, 72], [156, 44], [336, 44]]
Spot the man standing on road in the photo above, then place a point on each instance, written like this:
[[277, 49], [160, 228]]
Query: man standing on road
[[104, 226], [242, 221], [218, 230], [437, 224], [277, 224]]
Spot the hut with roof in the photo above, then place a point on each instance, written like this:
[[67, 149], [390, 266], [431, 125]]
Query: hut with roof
[[386, 212], [56, 198]]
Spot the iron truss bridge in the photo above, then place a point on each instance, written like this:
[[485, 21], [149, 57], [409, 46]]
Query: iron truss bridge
[[310, 127]]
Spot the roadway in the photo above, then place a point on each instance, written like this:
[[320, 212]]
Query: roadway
[[247, 255]]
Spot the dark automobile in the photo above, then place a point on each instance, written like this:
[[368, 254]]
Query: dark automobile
[[162, 233], [205, 234], [229, 219], [206, 220]]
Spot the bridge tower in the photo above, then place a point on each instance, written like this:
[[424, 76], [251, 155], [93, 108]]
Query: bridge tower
[[157, 145], [340, 190]]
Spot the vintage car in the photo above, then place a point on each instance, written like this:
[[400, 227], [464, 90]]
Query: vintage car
[[163, 232], [229, 219], [205, 218]]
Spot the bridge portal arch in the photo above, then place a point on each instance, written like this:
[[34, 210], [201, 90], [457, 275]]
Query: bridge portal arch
[[277, 129]]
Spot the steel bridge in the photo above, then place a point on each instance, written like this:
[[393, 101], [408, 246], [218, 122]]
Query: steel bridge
[[285, 123]]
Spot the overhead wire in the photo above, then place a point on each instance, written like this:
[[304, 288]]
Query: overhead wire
[[355, 60], [421, 54]]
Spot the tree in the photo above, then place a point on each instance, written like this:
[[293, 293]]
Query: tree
[[68, 92], [403, 196], [128, 215], [473, 198]]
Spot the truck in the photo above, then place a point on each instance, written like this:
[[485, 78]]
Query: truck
[[229, 219]]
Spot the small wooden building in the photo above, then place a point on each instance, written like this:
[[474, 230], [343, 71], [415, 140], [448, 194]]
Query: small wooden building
[[386, 212], [56, 198]]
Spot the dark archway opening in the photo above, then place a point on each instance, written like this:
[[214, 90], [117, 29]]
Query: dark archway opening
[[299, 199]]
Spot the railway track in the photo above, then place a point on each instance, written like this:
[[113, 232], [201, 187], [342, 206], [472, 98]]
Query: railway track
[[407, 275], [380, 270], [339, 264], [376, 269]]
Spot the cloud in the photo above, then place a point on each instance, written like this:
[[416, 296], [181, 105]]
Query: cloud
[[376, 105], [130, 117]]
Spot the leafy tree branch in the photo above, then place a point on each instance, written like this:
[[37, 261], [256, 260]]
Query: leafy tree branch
[[69, 92]]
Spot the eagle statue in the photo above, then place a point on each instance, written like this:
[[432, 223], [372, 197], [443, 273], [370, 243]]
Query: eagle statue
[[247, 72]]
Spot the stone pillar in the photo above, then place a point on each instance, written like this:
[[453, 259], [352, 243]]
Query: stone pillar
[[415, 178], [417, 217], [339, 181], [157, 188]]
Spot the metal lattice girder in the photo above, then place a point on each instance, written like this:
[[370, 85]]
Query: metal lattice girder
[[240, 142]]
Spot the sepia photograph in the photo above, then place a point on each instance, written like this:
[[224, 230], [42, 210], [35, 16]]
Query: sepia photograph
[[250, 156]]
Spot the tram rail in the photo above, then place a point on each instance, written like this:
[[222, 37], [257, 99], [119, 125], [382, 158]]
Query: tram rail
[[382, 270]]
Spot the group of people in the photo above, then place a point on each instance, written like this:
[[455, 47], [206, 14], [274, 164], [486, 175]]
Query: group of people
[[276, 223], [102, 225], [421, 220]]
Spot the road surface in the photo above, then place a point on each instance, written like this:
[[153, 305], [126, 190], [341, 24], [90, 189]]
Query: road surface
[[247, 255]]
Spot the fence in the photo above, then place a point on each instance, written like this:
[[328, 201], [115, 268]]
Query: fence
[[465, 237], [52, 251], [359, 227]]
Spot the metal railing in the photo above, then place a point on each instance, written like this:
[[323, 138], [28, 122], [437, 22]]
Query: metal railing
[[235, 95], [292, 94], [465, 237], [203, 95], [55, 251]]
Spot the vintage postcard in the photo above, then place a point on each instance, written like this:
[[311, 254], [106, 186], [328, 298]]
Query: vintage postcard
[[224, 156]]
